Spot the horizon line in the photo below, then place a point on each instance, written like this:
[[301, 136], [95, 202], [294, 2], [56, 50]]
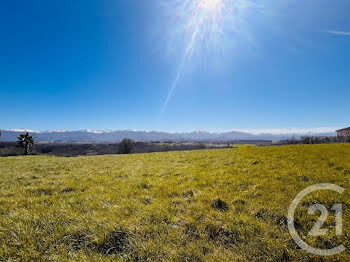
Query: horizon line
[[257, 131]]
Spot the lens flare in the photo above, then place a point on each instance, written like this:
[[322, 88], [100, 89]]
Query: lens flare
[[203, 24]]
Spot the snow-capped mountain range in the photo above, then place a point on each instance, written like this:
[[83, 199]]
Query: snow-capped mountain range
[[148, 136]]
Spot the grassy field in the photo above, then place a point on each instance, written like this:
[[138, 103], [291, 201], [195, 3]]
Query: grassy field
[[207, 205]]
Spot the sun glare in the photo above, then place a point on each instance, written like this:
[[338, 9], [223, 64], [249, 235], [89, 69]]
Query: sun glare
[[209, 5], [205, 26]]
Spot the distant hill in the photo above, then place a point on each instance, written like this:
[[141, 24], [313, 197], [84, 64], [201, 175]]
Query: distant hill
[[143, 136]]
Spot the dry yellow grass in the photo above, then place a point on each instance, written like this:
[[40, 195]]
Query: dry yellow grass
[[208, 205]]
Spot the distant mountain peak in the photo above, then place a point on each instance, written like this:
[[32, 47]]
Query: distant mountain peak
[[89, 135]]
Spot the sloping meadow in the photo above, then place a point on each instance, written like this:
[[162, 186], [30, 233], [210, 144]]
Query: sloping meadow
[[207, 205]]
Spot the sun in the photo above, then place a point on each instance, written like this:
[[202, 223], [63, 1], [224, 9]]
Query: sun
[[205, 27], [209, 5]]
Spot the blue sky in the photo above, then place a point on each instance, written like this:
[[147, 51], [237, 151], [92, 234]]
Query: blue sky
[[107, 64]]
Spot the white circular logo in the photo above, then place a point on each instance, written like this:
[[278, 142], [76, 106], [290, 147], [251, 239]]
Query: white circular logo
[[316, 230]]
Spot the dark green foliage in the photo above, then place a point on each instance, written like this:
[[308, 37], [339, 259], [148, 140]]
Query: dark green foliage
[[26, 141]]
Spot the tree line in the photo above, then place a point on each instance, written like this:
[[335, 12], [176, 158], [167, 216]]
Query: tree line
[[27, 142], [315, 140]]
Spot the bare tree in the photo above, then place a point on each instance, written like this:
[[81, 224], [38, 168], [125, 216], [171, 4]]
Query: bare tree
[[126, 146]]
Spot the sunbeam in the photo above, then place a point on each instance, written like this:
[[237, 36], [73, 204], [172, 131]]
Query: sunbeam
[[204, 24]]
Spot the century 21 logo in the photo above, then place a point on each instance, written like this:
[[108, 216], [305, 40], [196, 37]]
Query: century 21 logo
[[317, 230]]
